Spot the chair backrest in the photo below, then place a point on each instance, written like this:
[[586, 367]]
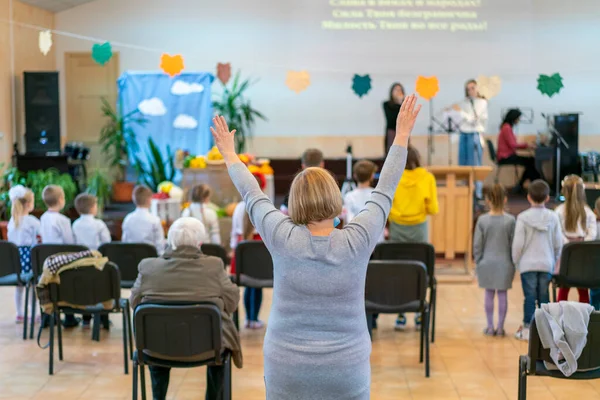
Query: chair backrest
[[86, 286], [254, 260], [423, 252], [580, 265], [40, 252], [215, 250], [491, 150], [590, 357], [10, 261], [178, 329], [395, 283], [127, 256]]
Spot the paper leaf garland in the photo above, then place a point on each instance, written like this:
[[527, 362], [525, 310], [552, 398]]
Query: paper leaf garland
[[45, 42], [297, 81], [361, 84], [102, 53], [489, 86], [171, 65], [427, 87], [224, 72], [549, 85]]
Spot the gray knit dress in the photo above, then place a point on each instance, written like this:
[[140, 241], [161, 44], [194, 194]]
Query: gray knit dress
[[317, 345], [492, 246]]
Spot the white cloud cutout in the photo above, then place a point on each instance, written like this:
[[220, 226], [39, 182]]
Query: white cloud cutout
[[184, 121], [181, 88], [153, 107]]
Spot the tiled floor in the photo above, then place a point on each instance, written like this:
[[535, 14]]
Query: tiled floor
[[464, 363]]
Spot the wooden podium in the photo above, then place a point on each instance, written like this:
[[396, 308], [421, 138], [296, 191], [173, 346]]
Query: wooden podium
[[451, 230]]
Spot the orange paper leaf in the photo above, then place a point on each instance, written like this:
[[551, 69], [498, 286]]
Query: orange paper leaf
[[427, 87], [171, 65], [297, 80], [224, 72]]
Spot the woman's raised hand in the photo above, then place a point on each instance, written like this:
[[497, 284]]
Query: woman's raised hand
[[223, 137], [406, 120]]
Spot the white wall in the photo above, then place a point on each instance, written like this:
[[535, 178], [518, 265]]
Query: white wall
[[265, 38]]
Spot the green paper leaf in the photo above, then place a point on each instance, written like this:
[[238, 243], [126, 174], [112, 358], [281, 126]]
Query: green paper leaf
[[550, 85], [102, 53], [361, 84]]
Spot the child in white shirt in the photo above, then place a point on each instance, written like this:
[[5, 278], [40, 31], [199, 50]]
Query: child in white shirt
[[200, 196], [55, 227], [355, 201], [23, 230], [140, 226], [88, 230]]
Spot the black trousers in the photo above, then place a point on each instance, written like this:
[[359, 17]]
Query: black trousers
[[531, 173], [215, 382]]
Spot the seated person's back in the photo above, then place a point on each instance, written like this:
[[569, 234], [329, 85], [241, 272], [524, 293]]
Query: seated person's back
[[140, 226]]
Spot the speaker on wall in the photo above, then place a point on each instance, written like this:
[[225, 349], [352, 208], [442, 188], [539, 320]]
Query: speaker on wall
[[42, 114]]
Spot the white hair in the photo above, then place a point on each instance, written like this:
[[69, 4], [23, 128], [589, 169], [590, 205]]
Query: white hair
[[186, 231]]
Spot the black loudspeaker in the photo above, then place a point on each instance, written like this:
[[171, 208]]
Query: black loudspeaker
[[568, 127], [42, 114]]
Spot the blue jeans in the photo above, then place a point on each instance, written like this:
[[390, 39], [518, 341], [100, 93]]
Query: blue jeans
[[535, 289], [595, 298], [470, 152], [252, 303]]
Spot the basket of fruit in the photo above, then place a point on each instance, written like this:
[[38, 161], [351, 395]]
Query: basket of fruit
[[166, 202]]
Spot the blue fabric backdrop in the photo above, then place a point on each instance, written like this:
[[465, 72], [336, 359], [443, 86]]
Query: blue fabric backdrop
[[178, 109]]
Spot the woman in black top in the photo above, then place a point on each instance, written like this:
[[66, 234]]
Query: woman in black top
[[391, 109]]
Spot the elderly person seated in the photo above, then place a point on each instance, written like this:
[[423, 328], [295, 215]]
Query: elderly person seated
[[184, 273]]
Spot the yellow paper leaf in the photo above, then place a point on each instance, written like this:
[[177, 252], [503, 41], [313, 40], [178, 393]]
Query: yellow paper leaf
[[427, 87], [489, 86], [171, 65], [45, 42], [297, 81]]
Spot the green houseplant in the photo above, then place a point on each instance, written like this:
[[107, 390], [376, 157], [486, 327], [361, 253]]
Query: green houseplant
[[118, 142], [98, 186], [233, 104], [155, 169]]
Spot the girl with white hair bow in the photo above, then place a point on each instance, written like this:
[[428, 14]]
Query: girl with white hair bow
[[23, 231]]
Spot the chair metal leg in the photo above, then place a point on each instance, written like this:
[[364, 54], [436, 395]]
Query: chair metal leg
[[143, 381], [125, 360], [59, 329], [227, 394], [522, 378], [51, 343], [96, 327], [424, 317], [432, 312], [135, 380], [33, 312], [26, 311], [426, 327], [129, 330]]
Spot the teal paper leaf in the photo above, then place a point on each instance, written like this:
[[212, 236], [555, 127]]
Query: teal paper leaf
[[361, 84], [549, 85], [102, 53]]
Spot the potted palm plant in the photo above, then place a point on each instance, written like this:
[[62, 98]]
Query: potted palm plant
[[98, 186], [118, 144], [237, 110]]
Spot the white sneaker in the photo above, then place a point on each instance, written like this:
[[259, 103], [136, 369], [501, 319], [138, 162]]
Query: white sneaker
[[522, 334]]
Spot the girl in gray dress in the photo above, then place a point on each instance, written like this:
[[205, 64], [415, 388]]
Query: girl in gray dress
[[317, 345], [492, 251]]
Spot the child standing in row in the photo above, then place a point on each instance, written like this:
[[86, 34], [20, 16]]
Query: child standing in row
[[23, 230], [578, 224], [492, 251], [140, 226], [88, 230], [200, 196], [55, 227], [535, 250]]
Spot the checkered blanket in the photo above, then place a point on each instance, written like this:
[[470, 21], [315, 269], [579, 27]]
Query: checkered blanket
[[56, 261]]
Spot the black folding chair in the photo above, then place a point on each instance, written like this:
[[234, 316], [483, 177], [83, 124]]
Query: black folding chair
[[397, 287], [85, 289], [127, 256], [216, 250], [11, 275], [39, 253], [253, 267], [166, 332], [533, 363], [423, 252], [579, 267]]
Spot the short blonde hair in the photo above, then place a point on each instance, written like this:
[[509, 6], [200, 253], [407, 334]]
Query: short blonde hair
[[142, 195], [84, 203], [314, 196], [52, 195]]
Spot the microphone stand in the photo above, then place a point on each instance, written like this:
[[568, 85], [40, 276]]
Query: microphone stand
[[447, 127]]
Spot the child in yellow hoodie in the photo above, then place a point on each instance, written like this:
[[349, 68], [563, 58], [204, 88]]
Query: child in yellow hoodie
[[415, 199]]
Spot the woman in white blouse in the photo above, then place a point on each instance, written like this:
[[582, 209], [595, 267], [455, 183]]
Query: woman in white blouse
[[199, 209], [474, 113]]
